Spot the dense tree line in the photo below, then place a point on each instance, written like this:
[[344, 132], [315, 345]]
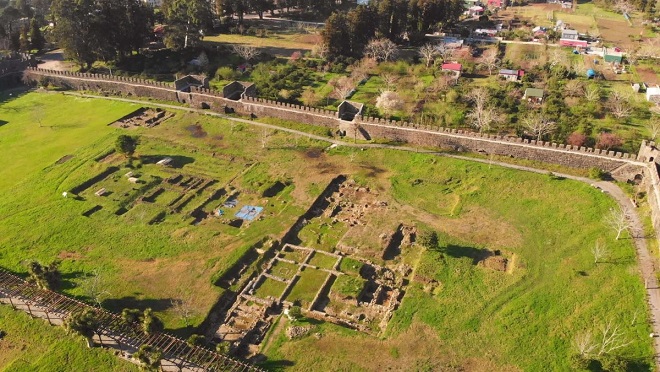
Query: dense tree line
[[91, 30], [347, 33], [20, 24]]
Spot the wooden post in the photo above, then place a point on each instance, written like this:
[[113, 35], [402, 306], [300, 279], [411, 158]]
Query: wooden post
[[47, 317]]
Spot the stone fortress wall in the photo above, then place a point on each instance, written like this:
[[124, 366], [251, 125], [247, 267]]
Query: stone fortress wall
[[362, 127]]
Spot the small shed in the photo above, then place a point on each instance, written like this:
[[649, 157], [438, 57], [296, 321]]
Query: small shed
[[653, 94], [533, 95], [454, 68], [612, 56], [511, 75]]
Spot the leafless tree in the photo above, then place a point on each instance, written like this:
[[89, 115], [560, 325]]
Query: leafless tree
[[342, 87], [654, 127], [484, 119], [632, 55], [574, 88], [592, 93], [444, 51], [183, 306], [585, 343], [309, 97], [624, 6], [428, 52], [479, 97], [558, 57], [538, 125], [389, 79], [389, 102], [481, 116], [381, 49], [95, 287], [599, 251], [651, 48], [265, 135], [618, 220], [320, 50], [490, 61], [612, 338], [246, 52], [440, 84], [619, 105], [359, 74]]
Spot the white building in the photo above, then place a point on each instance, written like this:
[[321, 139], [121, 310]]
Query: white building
[[153, 3], [653, 94]]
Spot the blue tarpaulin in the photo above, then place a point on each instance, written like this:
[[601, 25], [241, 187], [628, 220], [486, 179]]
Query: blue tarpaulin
[[249, 212]]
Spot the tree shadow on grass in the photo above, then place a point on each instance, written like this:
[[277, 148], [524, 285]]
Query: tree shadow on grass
[[130, 302], [178, 161], [275, 365], [475, 254], [67, 282]]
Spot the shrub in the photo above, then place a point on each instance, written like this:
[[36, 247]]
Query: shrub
[[579, 362], [597, 173], [576, 139], [227, 73], [607, 141], [614, 363], [429, 239]]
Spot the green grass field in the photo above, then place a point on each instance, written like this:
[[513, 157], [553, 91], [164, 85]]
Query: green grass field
[[307, 286], [527, 317], [32, 345]]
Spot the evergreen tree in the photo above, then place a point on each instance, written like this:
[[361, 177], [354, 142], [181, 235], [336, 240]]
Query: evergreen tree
[[37, 40], [186, 21], [83, 323], [24, 40]]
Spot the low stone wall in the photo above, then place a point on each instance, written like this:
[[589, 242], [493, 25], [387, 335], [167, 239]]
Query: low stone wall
[[458, 140], [362, 127]]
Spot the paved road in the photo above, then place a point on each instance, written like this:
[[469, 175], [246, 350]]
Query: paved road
[[645, 261]]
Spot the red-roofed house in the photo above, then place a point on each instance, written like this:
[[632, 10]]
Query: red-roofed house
[[454, 68]]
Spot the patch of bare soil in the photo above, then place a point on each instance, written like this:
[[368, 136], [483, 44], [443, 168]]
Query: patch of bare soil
[[647, 75], [495, 261], [66, 255], [111, 158], [476, 224], [142, 117], [196, 131], [313, 153], [64, 159]]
